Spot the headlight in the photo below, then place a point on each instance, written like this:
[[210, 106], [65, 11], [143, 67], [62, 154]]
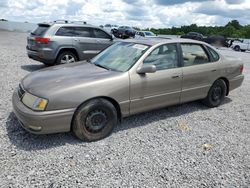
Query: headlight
[[34, 102]]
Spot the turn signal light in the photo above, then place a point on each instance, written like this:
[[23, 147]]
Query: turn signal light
[[241, 68]]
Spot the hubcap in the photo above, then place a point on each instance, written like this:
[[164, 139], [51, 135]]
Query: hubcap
[[217, 93], [95, 121], [67, 59]]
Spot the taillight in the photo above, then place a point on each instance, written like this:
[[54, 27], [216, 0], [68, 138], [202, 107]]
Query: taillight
[[241, 68], [42, 40]]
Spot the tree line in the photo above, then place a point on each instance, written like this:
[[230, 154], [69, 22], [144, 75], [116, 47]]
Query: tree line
[[232, 29]]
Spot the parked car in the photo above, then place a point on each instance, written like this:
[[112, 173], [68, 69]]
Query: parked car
[[145, 34], [193, 35], [109, 28], [124, 32], [217, 41], [60, 43], [127, 78], [241, 45]]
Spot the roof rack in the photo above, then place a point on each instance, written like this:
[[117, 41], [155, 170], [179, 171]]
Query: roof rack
[[82, 22], [67, 21], [60, 21]]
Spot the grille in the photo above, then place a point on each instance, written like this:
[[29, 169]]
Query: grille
[[20, 91]]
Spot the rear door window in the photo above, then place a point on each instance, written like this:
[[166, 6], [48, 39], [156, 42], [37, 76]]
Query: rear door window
[[65, 31], [193, 54], [101, 34], [82, 32]]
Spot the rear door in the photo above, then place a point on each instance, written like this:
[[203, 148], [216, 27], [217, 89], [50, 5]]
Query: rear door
[[103, 39], [199, 71], [85, 43], [38, 32]]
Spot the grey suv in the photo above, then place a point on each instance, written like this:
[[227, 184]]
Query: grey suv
[[60, 43]]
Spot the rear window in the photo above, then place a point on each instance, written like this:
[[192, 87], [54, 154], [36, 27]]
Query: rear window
[[40, 30]]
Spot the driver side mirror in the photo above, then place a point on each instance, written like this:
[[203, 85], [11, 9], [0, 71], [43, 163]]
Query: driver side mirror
[[146, 69]]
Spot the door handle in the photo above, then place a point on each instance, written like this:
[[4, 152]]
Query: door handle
[[76, 39], [177, 76], [214, 70]]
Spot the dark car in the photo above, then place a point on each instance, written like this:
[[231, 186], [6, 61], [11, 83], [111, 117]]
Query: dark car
[[193, 35], [217, 40], [124, 32]]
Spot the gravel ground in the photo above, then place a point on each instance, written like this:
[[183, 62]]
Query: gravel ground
[[182, 146]]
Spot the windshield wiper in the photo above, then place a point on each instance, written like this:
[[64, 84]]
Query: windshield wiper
[[102, 66]]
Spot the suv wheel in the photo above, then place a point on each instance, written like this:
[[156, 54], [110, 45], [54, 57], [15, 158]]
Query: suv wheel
[[216, 94], [94, 120], [66, 58]]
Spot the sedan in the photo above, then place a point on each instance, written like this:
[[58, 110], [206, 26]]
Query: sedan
[[91, 97]]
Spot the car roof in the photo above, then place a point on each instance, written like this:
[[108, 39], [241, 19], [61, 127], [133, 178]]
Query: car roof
[[158, 40]]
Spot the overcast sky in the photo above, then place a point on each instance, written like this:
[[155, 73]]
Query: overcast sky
[[140, 13]]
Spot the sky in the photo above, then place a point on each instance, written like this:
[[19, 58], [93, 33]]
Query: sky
[[138, 13]]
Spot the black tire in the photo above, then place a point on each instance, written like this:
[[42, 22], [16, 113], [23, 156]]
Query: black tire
[[62, 55], [243, 50], [94, 120], [216, 94], [237, 48]]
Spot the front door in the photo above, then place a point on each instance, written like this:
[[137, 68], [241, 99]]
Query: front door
[[103, 39], [162, 88], [85, 43]]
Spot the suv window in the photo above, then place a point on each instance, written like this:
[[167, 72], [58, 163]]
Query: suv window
[[82, 32], [193, 54], [101, 34], [163, 57], [65, 31], [40, 30], [214, 54]]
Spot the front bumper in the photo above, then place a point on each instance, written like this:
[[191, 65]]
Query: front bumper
[[45, 122]]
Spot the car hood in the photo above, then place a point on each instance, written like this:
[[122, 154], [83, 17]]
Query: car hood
[[54, 79]]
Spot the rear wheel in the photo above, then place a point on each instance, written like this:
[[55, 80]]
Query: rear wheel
[[216, 94], [94, 120], [66, 57]]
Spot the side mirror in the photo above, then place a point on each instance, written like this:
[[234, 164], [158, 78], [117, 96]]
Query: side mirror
[[146, 69]]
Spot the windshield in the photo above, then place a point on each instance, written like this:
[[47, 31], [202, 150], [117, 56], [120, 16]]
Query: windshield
[[121, 56], [149, 34]]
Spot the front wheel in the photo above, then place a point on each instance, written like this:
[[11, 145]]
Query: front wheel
[[216, 94], [237, 48], [94, 120]]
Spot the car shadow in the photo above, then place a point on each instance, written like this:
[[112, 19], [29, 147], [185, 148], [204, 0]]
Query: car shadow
[[28, 142], [32, 67]]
